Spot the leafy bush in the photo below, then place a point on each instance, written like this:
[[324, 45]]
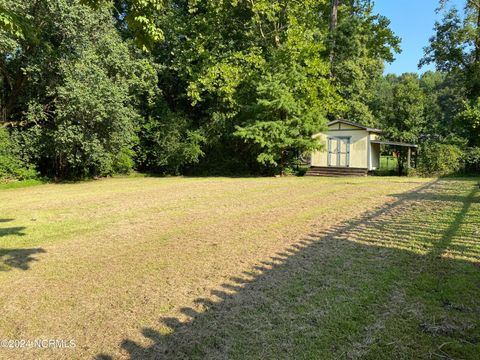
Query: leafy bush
[[166, 143], [468, 121], [77, 111], [471, 160], [11, 166], [437, 159]]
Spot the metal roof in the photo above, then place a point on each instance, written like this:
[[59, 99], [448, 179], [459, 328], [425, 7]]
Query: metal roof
[[393, 143], [343, 121]]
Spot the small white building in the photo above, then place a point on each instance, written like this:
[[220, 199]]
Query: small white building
[[350, 149]]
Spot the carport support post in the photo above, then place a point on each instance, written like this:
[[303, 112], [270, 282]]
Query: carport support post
[[409, 157]]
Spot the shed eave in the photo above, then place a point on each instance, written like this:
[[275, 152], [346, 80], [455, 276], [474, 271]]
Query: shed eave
[[393, 143]]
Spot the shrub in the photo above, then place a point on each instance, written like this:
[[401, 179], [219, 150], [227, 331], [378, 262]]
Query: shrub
[[437, 159], [471, 160], [166, 143], [11, 166]]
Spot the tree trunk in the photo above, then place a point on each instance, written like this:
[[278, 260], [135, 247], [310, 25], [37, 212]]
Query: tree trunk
[[333, 26], [477, 39], [334, 15]]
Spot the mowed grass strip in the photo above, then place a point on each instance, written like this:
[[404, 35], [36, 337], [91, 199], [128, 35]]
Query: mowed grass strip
[[242, 268]]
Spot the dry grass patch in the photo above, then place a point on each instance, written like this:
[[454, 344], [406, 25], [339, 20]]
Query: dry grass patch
[[238, 268]]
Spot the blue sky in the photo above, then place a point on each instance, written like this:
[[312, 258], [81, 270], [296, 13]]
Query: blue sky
[[413, 21]]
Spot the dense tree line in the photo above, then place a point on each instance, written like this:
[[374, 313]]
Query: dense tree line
[[93, 88], [439, 110]]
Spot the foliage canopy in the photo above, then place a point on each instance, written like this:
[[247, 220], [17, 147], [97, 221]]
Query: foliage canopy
[[96, 87]]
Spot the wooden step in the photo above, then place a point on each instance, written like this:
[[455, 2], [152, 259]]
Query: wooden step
[[336, 171], [341, 170]]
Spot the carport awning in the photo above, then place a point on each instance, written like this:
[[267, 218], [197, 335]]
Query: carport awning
[[394, 143]]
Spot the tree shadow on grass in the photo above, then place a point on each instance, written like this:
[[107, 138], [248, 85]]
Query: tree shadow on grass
[[16, 258], [379, 286], [17, 230]]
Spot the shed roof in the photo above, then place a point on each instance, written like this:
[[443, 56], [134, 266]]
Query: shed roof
[[393, 143], [351, 123]]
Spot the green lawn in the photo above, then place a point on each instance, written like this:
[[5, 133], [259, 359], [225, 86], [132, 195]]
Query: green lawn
[[305, 268]]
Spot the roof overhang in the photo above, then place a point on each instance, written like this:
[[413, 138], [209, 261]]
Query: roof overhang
[[351, 123], [393, 143]]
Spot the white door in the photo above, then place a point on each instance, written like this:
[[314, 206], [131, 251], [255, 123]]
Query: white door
[[339, 151]]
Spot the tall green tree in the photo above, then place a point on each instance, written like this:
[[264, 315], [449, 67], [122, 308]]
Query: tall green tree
[[455, 49], [360, 42], [72, 89], [229, 59], [295, 95], [400, 107], [443, 95]]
